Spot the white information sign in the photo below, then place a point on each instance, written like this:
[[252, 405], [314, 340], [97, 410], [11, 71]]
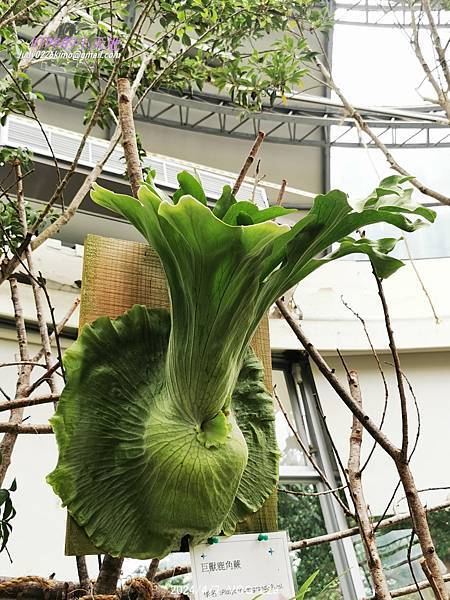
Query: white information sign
[[242, 567]]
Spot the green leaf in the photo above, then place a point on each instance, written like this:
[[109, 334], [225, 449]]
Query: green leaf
[[126, 439], [255, 214], [306, 586], [225, 201], [189, 186]]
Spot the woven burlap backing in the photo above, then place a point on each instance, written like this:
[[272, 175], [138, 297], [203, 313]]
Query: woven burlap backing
[[116, 275]]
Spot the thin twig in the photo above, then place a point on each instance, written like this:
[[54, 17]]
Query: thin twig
[[329, 375], [422, 285], [59, 327], [309, 456], [306, 494], [408, 556], [383, 377], [248, 161], [398, 369], [281, 192], [9, 440], [35, 284]]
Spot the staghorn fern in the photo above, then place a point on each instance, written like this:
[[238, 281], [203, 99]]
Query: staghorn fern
[[165, 428]]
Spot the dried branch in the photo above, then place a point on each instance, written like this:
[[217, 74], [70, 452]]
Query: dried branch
[[363, 126], [306, 494], [9, 440], [438, 46], [380, 369], [409, 589], [248, 162], [35, 284], [33, 386], [16, 428], [281, 192], [329, 375], [398, 369], [173, 572], [23, 402], [59, 328], [108, 575], [378, 577], [415, 42], [152, 569], [129, 134], [339, 535], [416, 508]]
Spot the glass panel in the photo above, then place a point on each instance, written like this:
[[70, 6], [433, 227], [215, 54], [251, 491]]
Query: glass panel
[[302, 517], [393, 544], [291, 453]]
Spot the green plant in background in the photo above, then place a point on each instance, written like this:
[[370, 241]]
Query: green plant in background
[[11, 229], [302, 517], [165, 428]]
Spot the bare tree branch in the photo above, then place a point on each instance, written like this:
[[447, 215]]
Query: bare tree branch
[[310, 457], [129, 134], [23, 402], [23, 381], [248, 161], [36, 286], [438, 46], [18, 428], [329, 375], [409, 589], [379, 581]]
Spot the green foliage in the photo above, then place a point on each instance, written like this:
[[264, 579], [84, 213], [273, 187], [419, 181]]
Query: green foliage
[[193, 43], [302, 517], [11, 230], [7, 513], [306, 586]]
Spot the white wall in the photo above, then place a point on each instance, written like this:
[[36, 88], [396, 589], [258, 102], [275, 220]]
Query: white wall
[[429, 374]]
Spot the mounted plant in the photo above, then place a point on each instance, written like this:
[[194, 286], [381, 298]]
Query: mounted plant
[[165, 428]]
